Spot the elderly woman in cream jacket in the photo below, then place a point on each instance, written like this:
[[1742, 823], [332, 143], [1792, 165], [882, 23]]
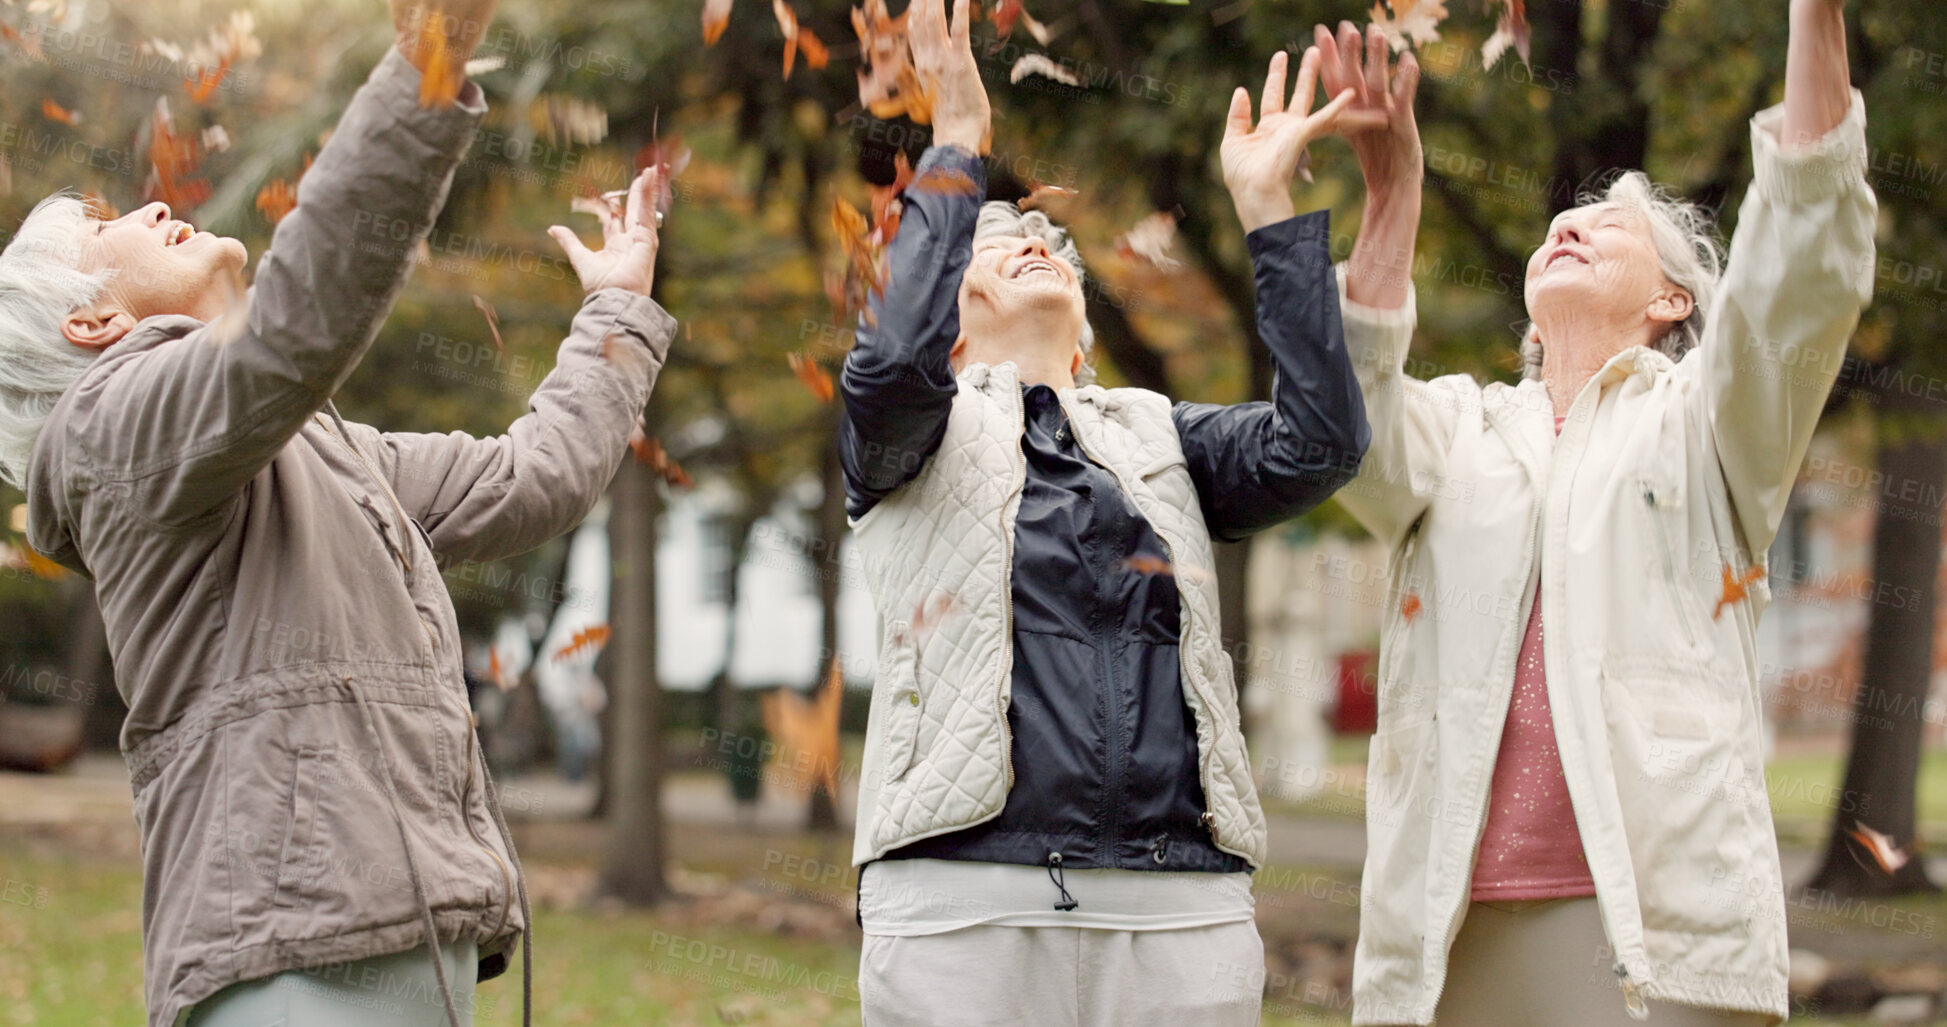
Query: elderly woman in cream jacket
[[1575, 830]]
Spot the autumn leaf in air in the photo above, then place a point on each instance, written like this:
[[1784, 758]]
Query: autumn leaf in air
[[889, 84], [1039, 64], [588, 640], [1052, 200], [493, 321], [279, 197], [439, 81], [1409, 22], [29, 42], [716, 17], [173, 161], [1511, 31], [797, 38], [649, 453], [202, 85], [55, 112], [814, 377], [1150, 240], [1886, 854]]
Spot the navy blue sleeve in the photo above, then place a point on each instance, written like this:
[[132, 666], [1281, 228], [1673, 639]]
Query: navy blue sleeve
[[897, 384], [1260, 464]]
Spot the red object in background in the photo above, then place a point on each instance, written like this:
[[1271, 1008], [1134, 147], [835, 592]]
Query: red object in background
[[1358, 710]]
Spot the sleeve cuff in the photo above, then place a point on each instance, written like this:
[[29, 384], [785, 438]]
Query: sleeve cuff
[[1311, 231], [954, 158], [640, 315], [397, 83], [1402, 318], [1834, 164]]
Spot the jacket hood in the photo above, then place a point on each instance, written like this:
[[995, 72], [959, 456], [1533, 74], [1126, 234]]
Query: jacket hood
[[48, 530]]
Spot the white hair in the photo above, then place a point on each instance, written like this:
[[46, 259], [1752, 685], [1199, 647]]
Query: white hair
[[999, 217], [1686, 245], [41, 283]]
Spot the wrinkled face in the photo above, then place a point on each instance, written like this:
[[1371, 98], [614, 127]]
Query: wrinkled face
[[1013, 280], [1599, 257], [161, 265]]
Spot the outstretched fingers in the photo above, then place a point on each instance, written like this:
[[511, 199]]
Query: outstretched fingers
[[1272, 101], [1301, 100], [1238, 121]]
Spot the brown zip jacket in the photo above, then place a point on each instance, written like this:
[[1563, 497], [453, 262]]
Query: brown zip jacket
[[302, 754]]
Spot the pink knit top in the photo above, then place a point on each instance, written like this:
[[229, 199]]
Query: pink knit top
[[1530, 848]]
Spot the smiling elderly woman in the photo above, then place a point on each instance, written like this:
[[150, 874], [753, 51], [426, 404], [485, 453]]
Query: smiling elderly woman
[[1056, 817], [1578, 832], [306, 779]]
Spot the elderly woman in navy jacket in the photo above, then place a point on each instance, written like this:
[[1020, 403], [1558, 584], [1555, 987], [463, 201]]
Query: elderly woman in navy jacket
[[1056, 818]]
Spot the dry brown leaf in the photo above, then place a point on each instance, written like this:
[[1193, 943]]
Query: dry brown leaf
[[439, 79], [1150, 240], [716, 17], [493, 321], [814, 377], [55, 112]]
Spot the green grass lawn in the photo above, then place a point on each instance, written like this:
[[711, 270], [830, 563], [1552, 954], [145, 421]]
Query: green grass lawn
[[70, 956]]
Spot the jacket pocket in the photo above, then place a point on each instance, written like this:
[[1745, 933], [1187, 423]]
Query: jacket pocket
[[899, 682], [297, 862], [1663, 509]]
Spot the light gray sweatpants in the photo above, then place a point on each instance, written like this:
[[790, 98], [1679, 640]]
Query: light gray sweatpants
[[1542, 963], [1064, 977], [398, 990]]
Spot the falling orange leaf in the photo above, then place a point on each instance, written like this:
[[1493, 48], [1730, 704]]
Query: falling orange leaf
[[1148, 565], [29, 42], [1511, 31], [40, 566], [806, 731], [586, 639], [716, 16], [1150, 240], [649, 453], [814, 377], [276, 199], [173, 160], [816, 56], [861, 252], [493, 322], [1046, 198], [1409, 607], [55, 112], [1885, 853], [946, 181], [439, 80], [1735, 587], [889, 84], [203, 85]]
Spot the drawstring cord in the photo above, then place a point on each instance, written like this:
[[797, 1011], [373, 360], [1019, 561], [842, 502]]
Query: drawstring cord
[[412, 861], [1067, 901], [520, 888]]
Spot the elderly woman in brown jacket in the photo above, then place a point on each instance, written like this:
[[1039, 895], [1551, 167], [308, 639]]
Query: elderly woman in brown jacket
[[307, 783]]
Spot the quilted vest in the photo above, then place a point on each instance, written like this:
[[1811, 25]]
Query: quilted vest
[[937, 554]]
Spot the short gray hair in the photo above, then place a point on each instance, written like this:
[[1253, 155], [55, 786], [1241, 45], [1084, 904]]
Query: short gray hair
[[41, 283], [999, 217], [1686, 244]]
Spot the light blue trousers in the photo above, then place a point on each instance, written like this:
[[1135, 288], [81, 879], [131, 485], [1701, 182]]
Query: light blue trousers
[[399, 990]]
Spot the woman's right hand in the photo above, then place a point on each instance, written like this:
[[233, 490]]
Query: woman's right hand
[[1390, 159], [945, 61]]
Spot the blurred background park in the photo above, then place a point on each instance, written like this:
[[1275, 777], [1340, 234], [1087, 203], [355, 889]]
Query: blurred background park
[[674, 695]]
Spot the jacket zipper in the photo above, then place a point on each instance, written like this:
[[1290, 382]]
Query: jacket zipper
[[1184, 671], [1007, 598], [404, 543], [1632, 993]]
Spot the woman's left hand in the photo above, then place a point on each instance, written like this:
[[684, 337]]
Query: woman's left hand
[[1259, 162]]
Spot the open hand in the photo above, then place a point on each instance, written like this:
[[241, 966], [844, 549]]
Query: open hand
[[1259, 162], [945, 62], [627, 259], [1390, 157]]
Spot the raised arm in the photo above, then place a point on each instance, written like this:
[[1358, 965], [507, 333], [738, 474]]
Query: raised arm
[[189, 422], [1800, 270], [1259, 464], [483, 499], [1412, 422], [897, 384]]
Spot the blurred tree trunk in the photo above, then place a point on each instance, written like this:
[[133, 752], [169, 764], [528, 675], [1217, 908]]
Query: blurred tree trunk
[[1882, 772], [827, 571], [633, 870], [88, 661]]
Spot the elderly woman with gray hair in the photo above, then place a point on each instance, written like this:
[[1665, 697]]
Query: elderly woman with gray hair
[[1056, 820], [319, 830], [1578, 832]]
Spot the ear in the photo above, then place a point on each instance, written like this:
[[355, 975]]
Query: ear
[[958, 354], [1671, 305], [96, 330], [1075, 363]]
